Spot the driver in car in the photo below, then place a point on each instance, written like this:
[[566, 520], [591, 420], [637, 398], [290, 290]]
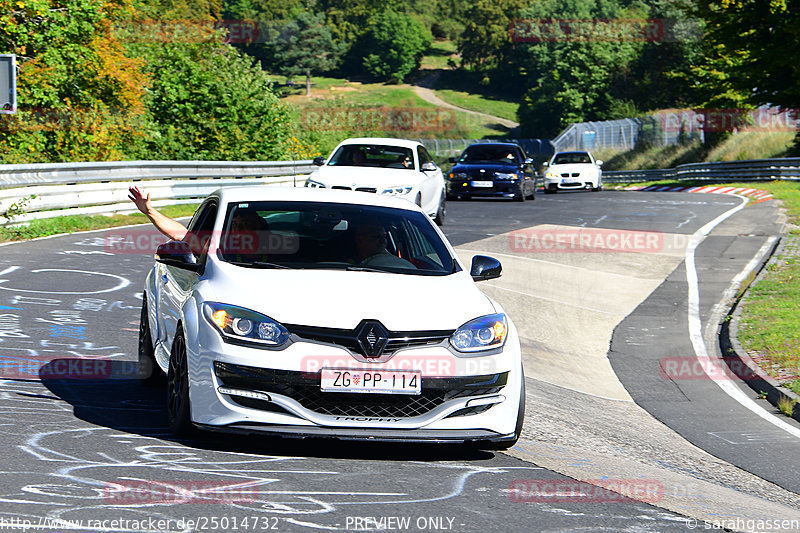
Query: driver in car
[[371, 240]]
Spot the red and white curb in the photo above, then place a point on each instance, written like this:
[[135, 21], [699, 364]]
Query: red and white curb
[[755, 194]]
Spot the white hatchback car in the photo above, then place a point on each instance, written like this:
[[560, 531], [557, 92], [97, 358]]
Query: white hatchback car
[[322, 313], [395, 167], [573, 170]]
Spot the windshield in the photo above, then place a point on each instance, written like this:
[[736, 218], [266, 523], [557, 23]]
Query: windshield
[[306, 235], [570, 158], [495, 154], [373, 155]]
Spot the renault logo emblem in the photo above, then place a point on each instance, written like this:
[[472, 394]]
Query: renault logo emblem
[[372, 338]]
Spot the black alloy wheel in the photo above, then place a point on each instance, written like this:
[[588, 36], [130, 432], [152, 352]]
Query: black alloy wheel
[[178, 408]]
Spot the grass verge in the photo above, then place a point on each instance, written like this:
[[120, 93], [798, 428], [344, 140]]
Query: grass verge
[[769, 330], [75, 223]]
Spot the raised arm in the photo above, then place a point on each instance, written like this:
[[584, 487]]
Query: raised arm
[[166, 225]]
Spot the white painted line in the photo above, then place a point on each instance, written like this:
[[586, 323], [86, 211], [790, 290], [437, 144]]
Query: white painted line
[[696, 326], [9, 270]]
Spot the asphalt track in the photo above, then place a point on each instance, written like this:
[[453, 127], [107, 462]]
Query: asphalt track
[[97, 448]]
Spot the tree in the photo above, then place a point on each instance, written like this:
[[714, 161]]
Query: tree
[[395, 42], [305, 45], [485, 41], [571, 73]]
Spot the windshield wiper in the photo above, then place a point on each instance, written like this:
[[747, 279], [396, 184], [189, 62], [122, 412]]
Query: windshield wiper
[[259, 264], [353, 268]]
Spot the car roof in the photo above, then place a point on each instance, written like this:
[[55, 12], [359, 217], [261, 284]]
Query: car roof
[[389, 141], [574, 152], [505, 145], [261, 193]]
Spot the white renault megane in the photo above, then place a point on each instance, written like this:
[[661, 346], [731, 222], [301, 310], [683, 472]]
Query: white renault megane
[[328, 313]]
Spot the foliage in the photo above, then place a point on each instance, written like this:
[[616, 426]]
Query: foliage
[[573, 75], [395, 43], [305, 46], [207, 101], [485, 41]]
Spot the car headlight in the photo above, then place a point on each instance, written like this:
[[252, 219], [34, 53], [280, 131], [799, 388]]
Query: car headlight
[[397, 191], [458, 175], [551, 175], [314, 184], [240, 324], [502, 176], [483, 333]]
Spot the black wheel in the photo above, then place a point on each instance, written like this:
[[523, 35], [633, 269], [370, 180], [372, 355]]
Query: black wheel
[[178, 408], [441, 212], [520, 197], [549, 190], [533, 192], [149, 373], [598, 188], [517, 429]]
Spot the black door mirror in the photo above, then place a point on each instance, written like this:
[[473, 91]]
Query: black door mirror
[[178, 254], [319, 161], [485, 267], [451, 159]]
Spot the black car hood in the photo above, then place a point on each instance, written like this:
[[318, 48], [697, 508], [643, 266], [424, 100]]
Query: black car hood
[[487, 166]]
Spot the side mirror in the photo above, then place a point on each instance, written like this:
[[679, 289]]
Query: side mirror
[[178, 254], [546, 164], [451, 159], [599, 162], [430, 165], [529, 161], [485, 267], [318, 161]]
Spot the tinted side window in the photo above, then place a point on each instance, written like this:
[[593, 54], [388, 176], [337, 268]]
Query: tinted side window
[[424, 156], [201, 228]]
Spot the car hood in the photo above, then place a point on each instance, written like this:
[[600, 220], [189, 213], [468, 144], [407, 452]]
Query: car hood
[[347, 176], [583, 168], [342, 299], [489, 167]]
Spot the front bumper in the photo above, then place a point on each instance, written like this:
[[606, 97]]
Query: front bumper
[[499, 189], [244, 389]]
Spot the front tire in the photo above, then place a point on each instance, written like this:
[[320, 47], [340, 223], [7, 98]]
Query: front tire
[[149, 373], [520, 197], [178, 406], [441, 211]]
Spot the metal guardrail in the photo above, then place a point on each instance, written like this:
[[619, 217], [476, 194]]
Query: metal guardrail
[[56, 189], [750, 170]]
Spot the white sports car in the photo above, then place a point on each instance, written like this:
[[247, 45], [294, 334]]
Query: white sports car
[[573, 170], [395, 167], [325, 313]]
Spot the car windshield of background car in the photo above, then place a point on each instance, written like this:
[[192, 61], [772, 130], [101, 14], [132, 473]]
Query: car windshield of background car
[[571, 159], [489, 154], [373, 155], [318, 235]]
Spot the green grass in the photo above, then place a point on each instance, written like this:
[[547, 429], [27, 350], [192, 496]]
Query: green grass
[[339, 109], [742, 146], [438, 55], [479, 103], [75, 223]]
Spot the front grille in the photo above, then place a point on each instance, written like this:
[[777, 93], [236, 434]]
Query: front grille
[[346, 338], [340, 187], [366, 189], [304, 387]]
